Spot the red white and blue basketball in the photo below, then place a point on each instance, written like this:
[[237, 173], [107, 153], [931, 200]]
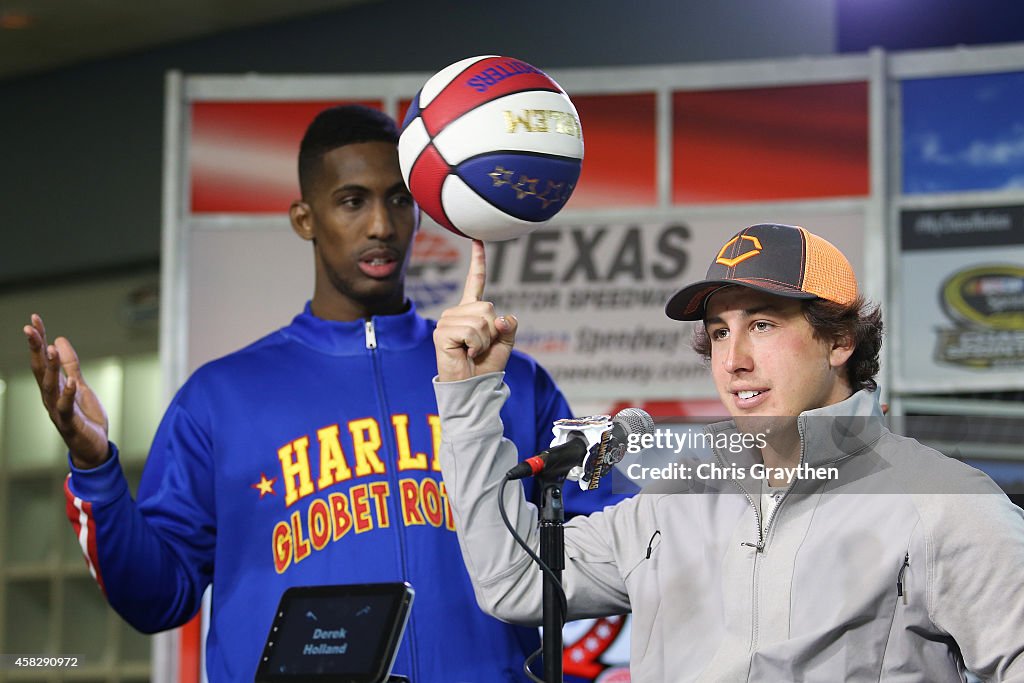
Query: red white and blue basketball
[[491, 148]]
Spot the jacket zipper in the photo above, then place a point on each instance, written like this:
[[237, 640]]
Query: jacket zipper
[[762, 538], [371, 336], [756, 579], [785, 494], [759, 548], [395, 511]]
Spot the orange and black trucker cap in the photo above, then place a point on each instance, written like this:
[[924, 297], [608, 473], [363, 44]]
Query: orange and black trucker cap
[[785, 260]]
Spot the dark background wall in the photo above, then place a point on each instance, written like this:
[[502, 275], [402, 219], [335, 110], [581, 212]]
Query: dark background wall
[[80, 147]]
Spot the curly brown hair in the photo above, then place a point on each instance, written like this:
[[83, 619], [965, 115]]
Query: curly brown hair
[[858, 320]]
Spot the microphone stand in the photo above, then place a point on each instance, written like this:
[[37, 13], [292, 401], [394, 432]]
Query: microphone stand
[[552, 553]]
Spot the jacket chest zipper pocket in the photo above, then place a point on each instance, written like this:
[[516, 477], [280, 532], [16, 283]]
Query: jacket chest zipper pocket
[[899, 578], [651, 545]]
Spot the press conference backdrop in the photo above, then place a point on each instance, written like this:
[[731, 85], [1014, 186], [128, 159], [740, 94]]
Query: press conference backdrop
[[677, 160]]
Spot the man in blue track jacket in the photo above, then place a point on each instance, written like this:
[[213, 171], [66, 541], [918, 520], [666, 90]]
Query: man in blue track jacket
[[308, 457]]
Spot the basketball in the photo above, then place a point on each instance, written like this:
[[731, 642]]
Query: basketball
[[491, 148]]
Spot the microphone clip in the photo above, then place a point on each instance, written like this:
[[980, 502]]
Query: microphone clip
[[602, 450]]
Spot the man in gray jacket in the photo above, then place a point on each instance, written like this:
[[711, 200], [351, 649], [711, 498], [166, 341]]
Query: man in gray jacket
[[833, 550]]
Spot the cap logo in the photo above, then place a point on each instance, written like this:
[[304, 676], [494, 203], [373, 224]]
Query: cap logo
[[730, 262]]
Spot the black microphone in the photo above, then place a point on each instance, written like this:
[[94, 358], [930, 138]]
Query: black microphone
[[558, 460]]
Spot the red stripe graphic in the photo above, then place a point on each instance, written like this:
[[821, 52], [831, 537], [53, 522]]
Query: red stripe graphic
[[241, 155], [79, 513]]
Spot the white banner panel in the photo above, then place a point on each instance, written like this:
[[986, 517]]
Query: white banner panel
[[961, 322], [247, 277]]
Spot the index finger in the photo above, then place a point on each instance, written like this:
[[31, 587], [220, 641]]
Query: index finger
[[477, 276], [36, 326], [35, 335]]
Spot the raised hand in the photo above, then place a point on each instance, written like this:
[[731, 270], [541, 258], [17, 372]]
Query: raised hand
[[73, 407], [471, 339]]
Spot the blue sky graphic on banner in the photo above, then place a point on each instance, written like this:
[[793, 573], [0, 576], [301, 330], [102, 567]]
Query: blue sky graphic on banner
[[963, 133]]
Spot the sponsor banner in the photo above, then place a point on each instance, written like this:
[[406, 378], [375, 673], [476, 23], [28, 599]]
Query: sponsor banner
[[590, 297], [241, 155], [962, 299]]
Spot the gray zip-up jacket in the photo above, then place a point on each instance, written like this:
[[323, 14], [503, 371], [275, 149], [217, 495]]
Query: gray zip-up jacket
[[909, 566]]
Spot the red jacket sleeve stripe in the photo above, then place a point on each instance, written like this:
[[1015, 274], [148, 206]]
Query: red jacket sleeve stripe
[[80, 514]]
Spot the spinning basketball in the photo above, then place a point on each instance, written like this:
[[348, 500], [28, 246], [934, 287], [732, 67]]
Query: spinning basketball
[[491, 148]]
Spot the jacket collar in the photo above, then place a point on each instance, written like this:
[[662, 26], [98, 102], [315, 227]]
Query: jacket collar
[[845, 428], [827, 434], [392, 332]]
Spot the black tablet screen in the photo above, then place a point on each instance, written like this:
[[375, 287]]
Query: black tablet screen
[[338, 634]]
